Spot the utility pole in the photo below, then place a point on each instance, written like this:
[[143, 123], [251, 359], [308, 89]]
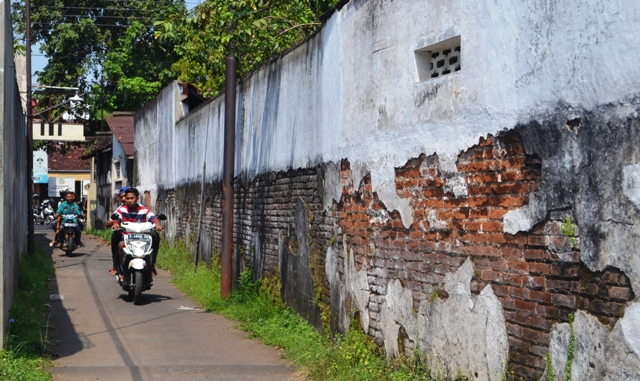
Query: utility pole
[[30, 229], [228, 175]]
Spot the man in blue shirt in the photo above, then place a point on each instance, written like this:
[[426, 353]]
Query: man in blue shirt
[[68, 211]]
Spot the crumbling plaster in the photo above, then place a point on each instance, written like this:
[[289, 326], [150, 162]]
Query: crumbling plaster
[[464, 334], [598, 354]]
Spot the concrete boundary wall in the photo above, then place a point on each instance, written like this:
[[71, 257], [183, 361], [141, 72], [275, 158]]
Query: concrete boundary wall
[[467, 216], [13, 164]]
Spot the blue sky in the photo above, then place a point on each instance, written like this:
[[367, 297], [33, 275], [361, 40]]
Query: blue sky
[[38, 61]]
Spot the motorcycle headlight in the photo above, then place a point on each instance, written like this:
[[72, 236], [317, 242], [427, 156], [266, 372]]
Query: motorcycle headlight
[[138, 247]]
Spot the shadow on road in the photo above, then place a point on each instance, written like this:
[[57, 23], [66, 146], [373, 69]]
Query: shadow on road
[[59, 320]]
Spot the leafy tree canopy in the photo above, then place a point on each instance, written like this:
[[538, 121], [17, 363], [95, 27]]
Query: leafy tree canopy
[[104, 47], [254, 30]]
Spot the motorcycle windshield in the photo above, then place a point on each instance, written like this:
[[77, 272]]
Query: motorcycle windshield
[[69, 217]]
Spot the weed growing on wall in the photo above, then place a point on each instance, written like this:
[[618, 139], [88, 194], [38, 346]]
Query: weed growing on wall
[[567, 367], [572, 346], [569, 230], [351, 357], [24, 356], [550, 374], [271, 287]]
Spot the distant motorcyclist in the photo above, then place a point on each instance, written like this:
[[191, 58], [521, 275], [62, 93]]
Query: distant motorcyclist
[[68, 208]]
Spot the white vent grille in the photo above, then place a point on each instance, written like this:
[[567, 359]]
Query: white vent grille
[[439, 59]]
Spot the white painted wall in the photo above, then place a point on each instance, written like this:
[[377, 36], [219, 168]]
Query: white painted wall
[[119, 155], [350, 91]]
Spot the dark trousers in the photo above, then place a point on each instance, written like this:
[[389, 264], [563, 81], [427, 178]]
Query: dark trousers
[[155, 244], [116, 238]]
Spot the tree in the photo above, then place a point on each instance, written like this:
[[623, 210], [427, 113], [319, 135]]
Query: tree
[[104, 47], [253, 30]]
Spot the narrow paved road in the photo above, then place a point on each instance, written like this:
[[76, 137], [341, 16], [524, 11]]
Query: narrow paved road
[[99, 334]]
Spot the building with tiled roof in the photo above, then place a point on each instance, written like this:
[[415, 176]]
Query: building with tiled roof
[[112, 156], [66, 171], [122, 128]]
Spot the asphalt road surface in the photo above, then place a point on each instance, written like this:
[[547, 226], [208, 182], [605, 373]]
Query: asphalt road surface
[[99, 334]]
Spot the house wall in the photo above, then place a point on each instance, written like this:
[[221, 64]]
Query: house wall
[[471, 217], [13, 164], [106, 200], [118, 154]]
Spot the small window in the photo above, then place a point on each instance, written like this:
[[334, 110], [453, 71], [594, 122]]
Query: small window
[[116, 169], [439, 59]]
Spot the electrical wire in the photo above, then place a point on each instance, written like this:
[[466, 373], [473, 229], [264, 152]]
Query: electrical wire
[[84, 25]]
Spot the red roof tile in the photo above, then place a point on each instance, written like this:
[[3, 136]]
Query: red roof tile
[[69, 161], [122, 128]]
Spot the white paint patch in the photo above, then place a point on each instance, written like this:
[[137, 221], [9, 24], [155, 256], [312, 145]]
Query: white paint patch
[[464, 334], [358, 286], [396, 312], [518, 220], [454, 181], [434, 223], [631, 327], [56, 297], [631, 183]]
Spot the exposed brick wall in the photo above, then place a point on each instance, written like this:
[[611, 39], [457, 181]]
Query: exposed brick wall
[[536, 275], [264, 206]]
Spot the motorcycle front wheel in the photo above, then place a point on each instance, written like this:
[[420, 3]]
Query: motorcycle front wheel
[[48, 220], [137, 293], [70, 244]]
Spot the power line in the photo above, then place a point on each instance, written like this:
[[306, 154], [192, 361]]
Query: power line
[[129, 60], [77, 24], [93, 17], [98, 8]]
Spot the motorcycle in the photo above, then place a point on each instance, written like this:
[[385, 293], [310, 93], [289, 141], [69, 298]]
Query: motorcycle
[[134, 275], [35, 214], [43, 214], [68, 234], [46, 212]]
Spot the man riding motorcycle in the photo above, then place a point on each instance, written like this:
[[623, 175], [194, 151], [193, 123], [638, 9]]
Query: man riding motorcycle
[[66, 208], [131, 211]]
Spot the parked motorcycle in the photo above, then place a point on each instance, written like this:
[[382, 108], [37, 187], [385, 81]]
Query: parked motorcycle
[[35, 214], [67, 234], [47, 212], [43, 214], [136, 263]]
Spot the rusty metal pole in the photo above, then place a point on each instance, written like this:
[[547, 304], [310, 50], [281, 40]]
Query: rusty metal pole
[[30, 228], [228, 175]]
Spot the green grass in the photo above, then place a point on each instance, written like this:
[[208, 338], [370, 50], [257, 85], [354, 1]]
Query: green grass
[[353, 357], [104, 234], [24, 357]]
